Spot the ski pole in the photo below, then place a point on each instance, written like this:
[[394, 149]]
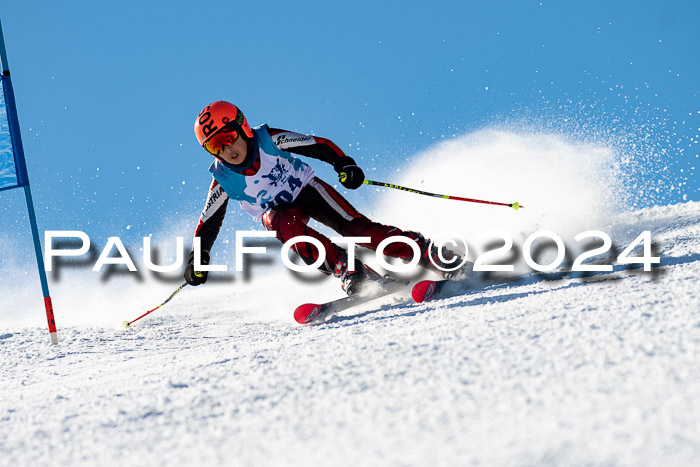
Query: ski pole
[[127, 324], [515, 205]]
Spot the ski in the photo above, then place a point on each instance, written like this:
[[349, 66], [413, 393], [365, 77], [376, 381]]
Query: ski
[[318, 312], [425, 291]]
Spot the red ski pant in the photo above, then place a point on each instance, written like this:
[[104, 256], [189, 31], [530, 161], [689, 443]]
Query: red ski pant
[[322, 202]]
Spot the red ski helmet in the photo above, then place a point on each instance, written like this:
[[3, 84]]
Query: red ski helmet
[[219, 124]]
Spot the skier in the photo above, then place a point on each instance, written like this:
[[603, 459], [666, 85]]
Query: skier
[[256, 167]]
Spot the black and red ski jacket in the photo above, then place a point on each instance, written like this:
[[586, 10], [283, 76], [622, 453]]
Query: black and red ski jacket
[[212, 216]]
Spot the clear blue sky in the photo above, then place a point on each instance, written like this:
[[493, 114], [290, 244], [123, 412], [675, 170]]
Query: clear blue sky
[[107, 91]]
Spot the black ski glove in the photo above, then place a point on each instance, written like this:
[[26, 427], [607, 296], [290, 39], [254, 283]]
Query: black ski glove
[[349, 174], [196, 277]]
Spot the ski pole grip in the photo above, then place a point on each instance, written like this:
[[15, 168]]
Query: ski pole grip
[[342, 176]]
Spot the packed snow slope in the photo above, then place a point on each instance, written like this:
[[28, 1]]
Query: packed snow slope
[[555, 369]]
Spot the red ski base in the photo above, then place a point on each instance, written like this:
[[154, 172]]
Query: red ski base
[[423, 291], [306, 313]]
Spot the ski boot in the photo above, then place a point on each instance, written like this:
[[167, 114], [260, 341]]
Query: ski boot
[[361, 279]]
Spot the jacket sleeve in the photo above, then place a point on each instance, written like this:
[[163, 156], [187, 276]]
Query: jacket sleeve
[[212, 216], [306, 145]]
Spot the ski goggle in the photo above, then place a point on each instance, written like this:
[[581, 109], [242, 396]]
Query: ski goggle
[[227, 135]]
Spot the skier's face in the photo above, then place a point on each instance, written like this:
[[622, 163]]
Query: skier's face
[[234, 153]]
